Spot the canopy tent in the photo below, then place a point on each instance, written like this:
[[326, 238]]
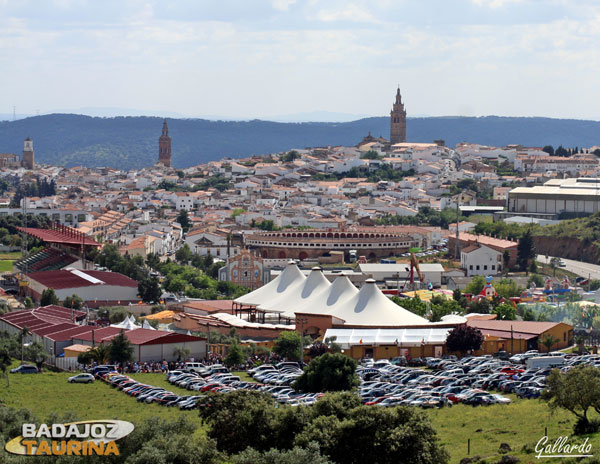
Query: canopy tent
[[371, 307], [299, 294], [401, 337], [128, 324], [288, 279], [328, 299], [146, 325]]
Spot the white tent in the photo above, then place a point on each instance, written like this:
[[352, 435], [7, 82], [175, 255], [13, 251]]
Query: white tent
[[127, 324], [299, 294], [328, 298], [371, 307], [289, 278], [146, 325]]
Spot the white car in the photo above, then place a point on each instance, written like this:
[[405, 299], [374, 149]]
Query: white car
[[81, 378]]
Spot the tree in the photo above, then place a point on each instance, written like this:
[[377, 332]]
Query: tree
[[28, 302], [234, 357], [85, 357], [239, 420], [49, 298], [464, 338], [181, 352], [414, 304], [332, 345], [296, 455], [506, 260], [289, 345], [328, 372], [152, 260], [317, 348], [370, 155], [549, 149], [149, 290], [505, 311], [561, 151], [5, 361], [525, 251], [36, 353], [121, 350], [577, 391], [184, 220], [73, 302], [184, 254], [100, 353], [554, 263], [549, 341], [476, 285]]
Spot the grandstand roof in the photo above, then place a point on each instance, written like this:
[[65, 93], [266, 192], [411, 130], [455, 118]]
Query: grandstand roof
[[61, 234], [73, 278]]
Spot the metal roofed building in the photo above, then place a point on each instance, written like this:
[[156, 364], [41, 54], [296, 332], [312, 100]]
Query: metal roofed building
[[88, 285], [382, 272], [573, 195]]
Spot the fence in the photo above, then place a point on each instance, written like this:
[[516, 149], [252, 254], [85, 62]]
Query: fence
[[65, 363]]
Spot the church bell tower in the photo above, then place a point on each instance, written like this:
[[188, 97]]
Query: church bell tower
[[164, 146], [398, 120]]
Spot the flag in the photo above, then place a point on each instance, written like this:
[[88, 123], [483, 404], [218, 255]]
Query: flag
[[423, 341], [396, 342], [360, 341]]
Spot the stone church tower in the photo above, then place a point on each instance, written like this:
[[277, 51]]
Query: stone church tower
[[28, 161], [398, 120], [164, 146]]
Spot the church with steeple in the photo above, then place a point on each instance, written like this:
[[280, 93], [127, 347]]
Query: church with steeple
[[398, 120], [164, 146]]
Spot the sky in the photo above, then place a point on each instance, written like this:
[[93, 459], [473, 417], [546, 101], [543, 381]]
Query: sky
[[269, 59]]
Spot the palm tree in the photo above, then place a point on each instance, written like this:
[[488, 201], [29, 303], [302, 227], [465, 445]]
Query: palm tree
[[579, 341], [101, 353], [181, 353], [22, 336], [548, 341], [554, 262]]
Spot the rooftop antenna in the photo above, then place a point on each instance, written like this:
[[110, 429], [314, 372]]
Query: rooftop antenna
[[14, 113]]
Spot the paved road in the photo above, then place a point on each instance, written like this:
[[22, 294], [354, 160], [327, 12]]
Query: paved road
[[578, 267]]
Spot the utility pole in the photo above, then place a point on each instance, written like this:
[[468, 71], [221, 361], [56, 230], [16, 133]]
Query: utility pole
[[302, 321]]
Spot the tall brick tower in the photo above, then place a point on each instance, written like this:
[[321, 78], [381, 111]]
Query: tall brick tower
[[28, 161], [164, 146], [398, 120]]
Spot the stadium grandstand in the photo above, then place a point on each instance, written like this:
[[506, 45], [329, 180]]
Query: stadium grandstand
[[65, 246]]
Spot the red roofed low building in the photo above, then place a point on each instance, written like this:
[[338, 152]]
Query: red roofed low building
[[148, 344], [88, 285]]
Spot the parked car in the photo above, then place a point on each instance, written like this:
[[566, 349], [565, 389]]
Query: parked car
[[81, 378], [24, 369]]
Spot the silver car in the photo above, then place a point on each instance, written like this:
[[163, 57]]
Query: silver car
[[81, 378]]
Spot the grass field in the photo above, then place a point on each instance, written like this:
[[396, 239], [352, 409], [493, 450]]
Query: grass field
[[520, 424], [6, 265], [11, 256]]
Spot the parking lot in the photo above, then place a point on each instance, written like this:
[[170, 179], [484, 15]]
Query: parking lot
[[440, 382]]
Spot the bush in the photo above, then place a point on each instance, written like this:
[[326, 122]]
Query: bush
[[328, 372]]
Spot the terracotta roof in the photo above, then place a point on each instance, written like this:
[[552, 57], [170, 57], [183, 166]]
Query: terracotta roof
[[210, 306]]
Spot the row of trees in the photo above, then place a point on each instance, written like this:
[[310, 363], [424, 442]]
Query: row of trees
[[338, 426]]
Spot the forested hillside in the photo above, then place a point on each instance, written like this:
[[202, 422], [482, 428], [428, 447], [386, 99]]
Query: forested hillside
[[129, 142]]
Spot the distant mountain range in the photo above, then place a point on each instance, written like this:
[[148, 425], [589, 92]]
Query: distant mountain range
[[130, 142]]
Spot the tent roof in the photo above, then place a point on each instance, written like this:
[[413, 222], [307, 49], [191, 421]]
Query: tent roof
[[371, 307], [298, 294], [290, 277], [327, 299]]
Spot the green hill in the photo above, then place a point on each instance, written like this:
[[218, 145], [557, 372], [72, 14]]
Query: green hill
[[129, 142]]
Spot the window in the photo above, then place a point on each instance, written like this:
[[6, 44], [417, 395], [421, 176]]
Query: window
[[235, 273], [493, 267], [477, 267], [485, 267], [471, 267], [245, 274]]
